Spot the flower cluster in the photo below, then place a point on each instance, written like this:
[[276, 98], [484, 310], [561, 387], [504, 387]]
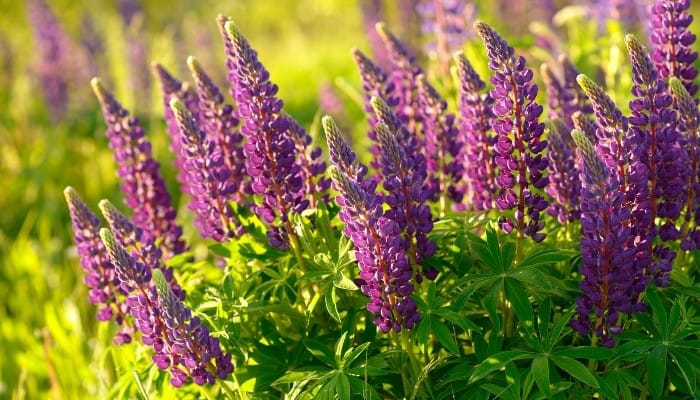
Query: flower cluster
[[142, 184], [519, 147]]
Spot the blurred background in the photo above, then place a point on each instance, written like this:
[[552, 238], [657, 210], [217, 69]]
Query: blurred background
[[52, 131]]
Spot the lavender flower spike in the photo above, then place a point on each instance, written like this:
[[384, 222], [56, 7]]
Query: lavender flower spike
[[564, 181], [610, 284], [519, 148], [672, 42], [340, 153], [208, 176], [100, 276], [270, 151], [142, 184]]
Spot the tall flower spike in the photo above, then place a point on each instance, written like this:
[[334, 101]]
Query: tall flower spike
[[478, 141], [219, 122], [404, 176], [270, 151], [100, 276], [405, 70], [340, 153], [173, 88], [519, 147], [672, 42], [142, 184], [564, 181], [208, 177], [610, 285], [560, 101], [613, 136], [689, 127], [384, 267], [441, 145], [659, 167]]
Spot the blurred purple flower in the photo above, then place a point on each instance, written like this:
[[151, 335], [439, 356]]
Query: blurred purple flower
[[564, 181], [447, 23], [313, 167], [372, 14]]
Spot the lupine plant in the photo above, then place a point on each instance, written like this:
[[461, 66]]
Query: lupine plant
[[476, 229]]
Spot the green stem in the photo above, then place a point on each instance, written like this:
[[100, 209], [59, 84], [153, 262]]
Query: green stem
[[230, 393], [414, 366], [508, 314]]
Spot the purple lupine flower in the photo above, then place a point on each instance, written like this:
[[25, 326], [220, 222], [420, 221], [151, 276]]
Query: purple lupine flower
[[689, 127], [270, 151], [519, 147], [403, 74], [137, 243], [208, 179], [371, 15], [309, 159], [570, 73], [585, 125], [191, 345], [221, 126], [560, 101], [173, 88], [384, 267], [625, 11], [442, 147], [448, 25], [658, 169], [672, 42], [610, 284], [340, 153], [100, 276], [142, 184], [404, 177], [612, 132], [478, 140], [564, 181]]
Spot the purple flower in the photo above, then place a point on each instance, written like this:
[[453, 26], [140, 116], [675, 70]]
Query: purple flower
[[371, 15], [672, 42], [585, 125], [173, 88], [659, 165], [478, 155], [689, 127], [560, 101], [270, 150], [208, 177], [313, 167], [448, 25], [564, 181], [570, 73], [442, 147], [611, 283], [100, 276], [138, 80], [142, 184], [221, 126], [340, 153], [519, 148]]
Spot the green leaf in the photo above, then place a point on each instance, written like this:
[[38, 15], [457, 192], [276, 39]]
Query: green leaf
[[545, 257], [543, 313], [343, 282], [687, 368], [659, 311], [508, 255], [532, 277], [576, 370], [500, 392], [444, 336], [673, 319], [363, 389], [586, 352], [352, 355], [332, 303], [518, 298], [656, 368], [496, 362], [457, 319], [342, 387], [320, 351], [558, 328], [540, 371]]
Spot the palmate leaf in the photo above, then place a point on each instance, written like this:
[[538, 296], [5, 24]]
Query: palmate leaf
[[321, 352], [656, 368], [496, 362], [576, 370], [540, 372], [545, 257]]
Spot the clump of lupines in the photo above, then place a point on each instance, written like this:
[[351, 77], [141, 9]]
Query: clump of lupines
[[672, 42], [447, 23], [142, 184], [689, 126], [404, 176], [564, 181], [221, 126], [100, 277], [658, 163], [477, 138], [271, 159], [385, 270], [611, 283], [180, 342], [173, 88], [208, 178], [519, 147], [442, 146]]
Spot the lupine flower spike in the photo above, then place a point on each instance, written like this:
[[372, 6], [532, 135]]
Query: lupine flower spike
[[560, 101], [100, 276], [519, 148], [142, 184], [384, 267], [477, 138], [564, 181], [611, 283], [270, 151], [208, 177]]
